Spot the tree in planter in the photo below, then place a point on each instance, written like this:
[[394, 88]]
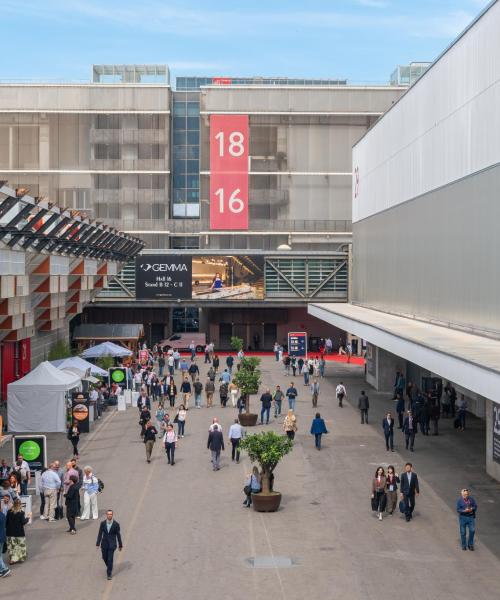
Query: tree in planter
[[59, 350], [266, 449], [248, 379], [236, 343], [105, 362]]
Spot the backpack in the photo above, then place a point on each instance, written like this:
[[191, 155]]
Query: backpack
[[100, 486]]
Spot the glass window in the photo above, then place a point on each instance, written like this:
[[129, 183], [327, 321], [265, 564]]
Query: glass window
[[193, 109], [151, 182], [107, 182], [107, 151], [108, 122], [192, 166], [193, 195], [151, 121], [193, 138], [193, 123], [179, 109], [193, 181], [179, 152], [179, 123], [179, 166], [179, 138], [151, 151], [179, 181], [193, 152], [179, 196]]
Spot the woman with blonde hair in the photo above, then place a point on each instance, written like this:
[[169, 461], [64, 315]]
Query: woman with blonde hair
[[290, 424], [252, 486], [16, 536]]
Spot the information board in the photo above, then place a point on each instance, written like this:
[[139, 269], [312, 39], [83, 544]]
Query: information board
[[80, 411], [496, 432], [297, 344], [229, 172], [33, 449]]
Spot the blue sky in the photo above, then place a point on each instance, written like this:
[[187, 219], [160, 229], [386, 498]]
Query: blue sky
[[361, 40]]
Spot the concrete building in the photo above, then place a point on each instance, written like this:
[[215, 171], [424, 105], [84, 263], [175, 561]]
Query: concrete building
[[425, 244]]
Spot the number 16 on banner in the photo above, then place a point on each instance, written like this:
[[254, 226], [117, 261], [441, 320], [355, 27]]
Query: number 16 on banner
[[229, 172]]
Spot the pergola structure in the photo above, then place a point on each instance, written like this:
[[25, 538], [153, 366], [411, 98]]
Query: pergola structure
[[52, 262]]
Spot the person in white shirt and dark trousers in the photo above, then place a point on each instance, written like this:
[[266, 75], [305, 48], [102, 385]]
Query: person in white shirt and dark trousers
[[235, 434]]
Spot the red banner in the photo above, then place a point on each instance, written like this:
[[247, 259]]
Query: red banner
[[229, 172]]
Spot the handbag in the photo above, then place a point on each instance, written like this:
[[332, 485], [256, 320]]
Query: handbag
[[176, 419], [247, 490], [374, 503], [402, 506]]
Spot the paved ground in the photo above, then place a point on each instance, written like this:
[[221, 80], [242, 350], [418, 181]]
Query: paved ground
[[187, 535]]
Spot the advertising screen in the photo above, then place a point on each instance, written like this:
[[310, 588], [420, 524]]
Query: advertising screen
[[33, 449], [228, 277], [160, 276], [80, 411]]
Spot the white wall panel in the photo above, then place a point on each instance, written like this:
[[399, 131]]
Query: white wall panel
[[447, 126]]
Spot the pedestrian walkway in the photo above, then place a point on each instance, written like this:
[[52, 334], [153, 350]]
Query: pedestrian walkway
[[187, 535]]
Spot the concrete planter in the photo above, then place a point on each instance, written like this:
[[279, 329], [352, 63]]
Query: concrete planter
[[247, 419], [269, 502]]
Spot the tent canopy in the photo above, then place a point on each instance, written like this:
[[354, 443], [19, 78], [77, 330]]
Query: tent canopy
[[106, 349], [48, 377], [75, 362], [37, 402]]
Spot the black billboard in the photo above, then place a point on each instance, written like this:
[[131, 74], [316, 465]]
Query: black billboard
[[80, 411], [160, 276]]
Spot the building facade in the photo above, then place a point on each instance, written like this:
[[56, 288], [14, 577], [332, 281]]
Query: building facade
[[135, 155], [425, 280]]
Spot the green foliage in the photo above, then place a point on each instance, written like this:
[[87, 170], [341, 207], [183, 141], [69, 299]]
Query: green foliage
[[59, 350], [267, 449], [247, 381], [250, 363], [105, 362], [236, 343]]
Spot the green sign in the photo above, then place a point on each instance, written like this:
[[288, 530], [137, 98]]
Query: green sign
[[30, 450], [118, 375]]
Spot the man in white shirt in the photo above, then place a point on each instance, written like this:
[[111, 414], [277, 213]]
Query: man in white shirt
[[235, 434], [341, 393]]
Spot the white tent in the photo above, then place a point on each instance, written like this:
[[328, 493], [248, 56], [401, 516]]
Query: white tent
[[37, 402], [106, 349], [75, 362]]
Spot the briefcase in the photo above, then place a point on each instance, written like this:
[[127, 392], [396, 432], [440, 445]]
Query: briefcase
[[402, 506]]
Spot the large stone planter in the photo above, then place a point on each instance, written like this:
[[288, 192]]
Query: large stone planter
[[247, 419], [269, 502]]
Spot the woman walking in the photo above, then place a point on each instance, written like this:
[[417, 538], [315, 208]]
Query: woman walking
[[180, 419], [290, 424], [233, 393], [186, 391], [71, 501], [252, 486], [170, 441], [318, 428], [74, 437], [16, 536], [223, 393], [90, 487], [172, 392], [378, 492], [391, 489]]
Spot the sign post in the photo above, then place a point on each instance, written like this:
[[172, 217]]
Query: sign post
[[80, 410], [33, 449], [297, 344]]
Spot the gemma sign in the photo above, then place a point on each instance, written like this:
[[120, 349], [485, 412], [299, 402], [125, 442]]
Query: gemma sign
[[158, 276]]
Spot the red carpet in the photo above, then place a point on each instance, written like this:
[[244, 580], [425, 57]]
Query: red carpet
[[355, 360]]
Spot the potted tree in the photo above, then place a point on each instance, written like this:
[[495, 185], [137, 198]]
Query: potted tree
[[266, 449], [236, 343], [248, 380]]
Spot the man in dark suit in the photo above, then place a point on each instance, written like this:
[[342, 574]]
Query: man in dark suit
[[108, 539], [408, 488], [388, 427], [215, 445], [410, 429]]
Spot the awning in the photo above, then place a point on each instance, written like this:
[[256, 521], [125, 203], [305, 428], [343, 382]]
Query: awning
[[469, 360]]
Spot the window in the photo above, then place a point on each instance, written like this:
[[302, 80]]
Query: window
[[107, 182], [193, 123], [108, 122], [193, 109], [179, 123], [179, 138], [151, 122], [193, 138], [107, 151], [193, 181], [151, 182], [184, 242], [192, 166], [151, 151]]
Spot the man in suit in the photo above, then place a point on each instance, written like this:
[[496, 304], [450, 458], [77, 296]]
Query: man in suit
[[409, 430], [408, 488], [108, 539], [215, 445], [388, 427]]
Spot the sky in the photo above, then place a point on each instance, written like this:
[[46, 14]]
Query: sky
[[359, 40]]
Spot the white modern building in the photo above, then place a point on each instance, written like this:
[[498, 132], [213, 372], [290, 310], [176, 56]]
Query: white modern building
[[426, 280]]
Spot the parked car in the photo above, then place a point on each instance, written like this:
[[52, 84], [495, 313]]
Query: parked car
[[181, 341]]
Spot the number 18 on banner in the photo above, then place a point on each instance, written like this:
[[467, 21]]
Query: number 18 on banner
[[229, 172]]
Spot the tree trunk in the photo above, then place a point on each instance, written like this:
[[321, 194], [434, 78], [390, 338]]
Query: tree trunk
[[247, 403], [265, 481]]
